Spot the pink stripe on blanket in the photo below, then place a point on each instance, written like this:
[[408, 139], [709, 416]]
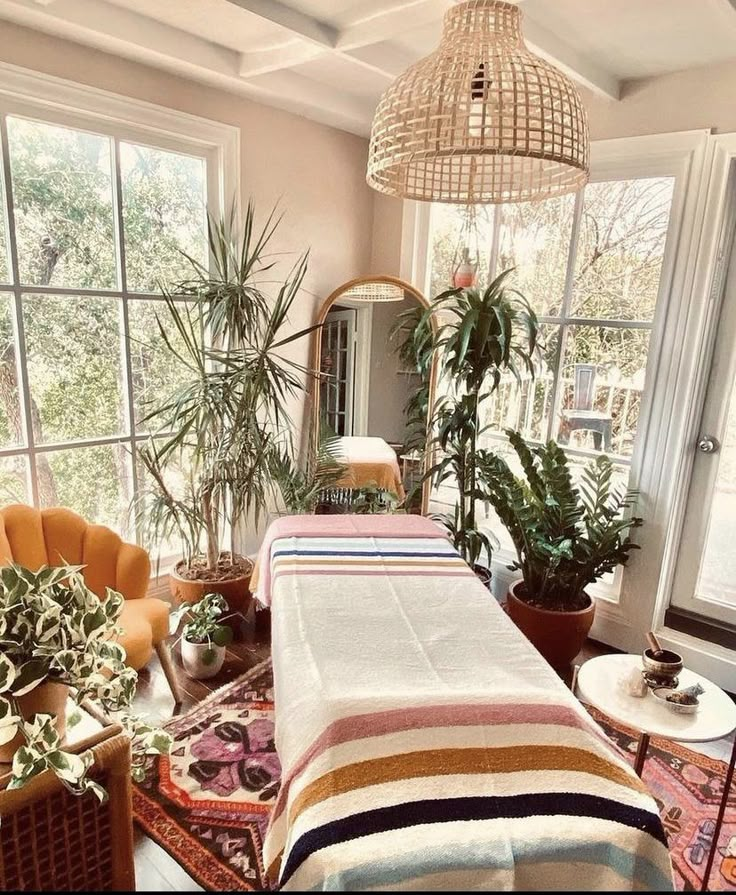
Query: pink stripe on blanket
[[376, 724], [343, 525]]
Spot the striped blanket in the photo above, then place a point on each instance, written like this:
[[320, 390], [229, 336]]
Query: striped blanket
[[426, 745]]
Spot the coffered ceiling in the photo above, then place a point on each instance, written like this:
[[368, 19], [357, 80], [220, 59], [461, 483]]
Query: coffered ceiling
[[330, 60]]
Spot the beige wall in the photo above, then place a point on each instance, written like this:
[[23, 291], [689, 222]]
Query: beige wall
[[689, 100], [389, 389], [686, 100], [317, 172]]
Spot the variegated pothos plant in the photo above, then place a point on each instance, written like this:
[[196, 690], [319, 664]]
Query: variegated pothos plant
[[54, 628]]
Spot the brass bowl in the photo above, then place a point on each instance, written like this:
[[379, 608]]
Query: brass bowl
[[663, 670]]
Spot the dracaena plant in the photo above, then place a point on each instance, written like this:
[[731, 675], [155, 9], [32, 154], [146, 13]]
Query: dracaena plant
[[53, 628], [481, 336], [228, 423], [566, 536]]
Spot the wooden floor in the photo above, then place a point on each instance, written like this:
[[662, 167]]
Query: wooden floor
[[155, 870]]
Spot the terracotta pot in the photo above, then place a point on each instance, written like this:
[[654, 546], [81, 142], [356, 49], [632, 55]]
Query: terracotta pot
[[235, 590], [49, 698], [559, 636], [201, 661]]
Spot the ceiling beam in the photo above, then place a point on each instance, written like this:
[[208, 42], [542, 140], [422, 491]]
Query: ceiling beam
[[375, 23], [290, 19], [576, 65], [130, 35]]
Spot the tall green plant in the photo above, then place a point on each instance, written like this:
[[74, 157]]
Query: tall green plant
[[229, 422], [566, 536], [480, 337]]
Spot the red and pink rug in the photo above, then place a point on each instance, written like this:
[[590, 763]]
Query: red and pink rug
[[207, 803]]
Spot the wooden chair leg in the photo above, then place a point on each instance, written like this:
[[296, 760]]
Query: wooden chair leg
[[167, 664]]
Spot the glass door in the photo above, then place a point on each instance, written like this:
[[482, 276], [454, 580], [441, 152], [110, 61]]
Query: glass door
[[705, 578], [338, 372]]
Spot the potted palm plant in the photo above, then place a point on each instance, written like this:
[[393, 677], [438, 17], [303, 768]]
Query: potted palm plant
[[566, 537], [481, 335], [58, 641], [228, 424], [204, 638]]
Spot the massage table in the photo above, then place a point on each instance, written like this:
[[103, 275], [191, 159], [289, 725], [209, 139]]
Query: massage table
[[424, 743], [369, 461]]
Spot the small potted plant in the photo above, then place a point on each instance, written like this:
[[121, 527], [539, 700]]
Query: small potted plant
[[203, 638], [566, 537], [58, 641]]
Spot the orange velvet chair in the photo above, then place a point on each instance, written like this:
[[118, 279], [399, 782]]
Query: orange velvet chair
[[35, 538]]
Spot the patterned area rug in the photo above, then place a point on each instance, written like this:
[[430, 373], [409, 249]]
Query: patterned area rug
[[207, 803]]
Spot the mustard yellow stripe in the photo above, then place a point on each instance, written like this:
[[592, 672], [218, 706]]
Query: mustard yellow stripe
[[299, 561], [443, 762]]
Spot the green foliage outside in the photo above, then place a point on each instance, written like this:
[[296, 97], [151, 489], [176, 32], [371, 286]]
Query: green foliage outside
[[63, 188]]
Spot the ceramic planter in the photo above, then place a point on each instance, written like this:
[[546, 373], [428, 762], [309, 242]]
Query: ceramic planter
[[202, 661], [559, 636], [236, 591], [49, 698]]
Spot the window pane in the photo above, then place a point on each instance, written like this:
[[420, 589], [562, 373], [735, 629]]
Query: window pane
[[14, 480], [156, 371], [11, 419], [74, 366], [526, 406], [62, 194], [534, 239], [178, 482], [602, 382], [164, 213], [5, 276], [455, 228], [95, 482], [716, 581], [622, 238]]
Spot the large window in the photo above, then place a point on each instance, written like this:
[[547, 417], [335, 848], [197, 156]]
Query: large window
[[92, 224], [590, 265]]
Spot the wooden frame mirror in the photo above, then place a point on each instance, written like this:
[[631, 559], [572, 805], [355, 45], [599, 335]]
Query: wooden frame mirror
[[352, 350]]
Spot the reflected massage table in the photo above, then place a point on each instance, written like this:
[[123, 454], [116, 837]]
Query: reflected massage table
[[425, 744], [370, 461]]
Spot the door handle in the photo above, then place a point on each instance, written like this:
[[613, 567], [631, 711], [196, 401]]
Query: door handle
[[708, 444]]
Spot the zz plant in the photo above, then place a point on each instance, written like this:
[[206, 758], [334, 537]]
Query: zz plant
[[566, 536], [54, 629], [480, 337]]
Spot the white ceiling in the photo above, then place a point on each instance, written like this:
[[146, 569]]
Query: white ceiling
[[331, 59]]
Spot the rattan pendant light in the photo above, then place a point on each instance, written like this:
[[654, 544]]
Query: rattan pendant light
[[374, 291], [480, 120]]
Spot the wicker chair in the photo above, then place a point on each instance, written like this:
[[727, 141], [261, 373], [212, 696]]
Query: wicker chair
[[51, 840]]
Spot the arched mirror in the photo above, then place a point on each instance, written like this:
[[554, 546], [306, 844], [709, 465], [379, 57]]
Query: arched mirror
[[375, 387]]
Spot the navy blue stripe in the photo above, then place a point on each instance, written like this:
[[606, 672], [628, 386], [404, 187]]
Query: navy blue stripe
[[432, 811], [448, 555]]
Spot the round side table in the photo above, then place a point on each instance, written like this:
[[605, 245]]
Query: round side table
[[598, 683]]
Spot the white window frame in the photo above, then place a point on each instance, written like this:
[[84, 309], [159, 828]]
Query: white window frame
[[52, 100], [686, 156]]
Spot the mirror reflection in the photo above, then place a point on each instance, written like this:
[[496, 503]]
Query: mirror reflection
[[373, 392]]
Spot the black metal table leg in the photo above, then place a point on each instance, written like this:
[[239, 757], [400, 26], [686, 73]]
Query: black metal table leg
[[719, 820]]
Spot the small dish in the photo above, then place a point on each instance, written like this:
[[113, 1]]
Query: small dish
[[679, 708]]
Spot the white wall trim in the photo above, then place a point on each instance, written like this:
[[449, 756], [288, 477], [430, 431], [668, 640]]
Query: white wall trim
[[23, 91]]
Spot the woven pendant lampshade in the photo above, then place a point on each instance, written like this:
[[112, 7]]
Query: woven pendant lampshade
[[370, 291], [480, 120]]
